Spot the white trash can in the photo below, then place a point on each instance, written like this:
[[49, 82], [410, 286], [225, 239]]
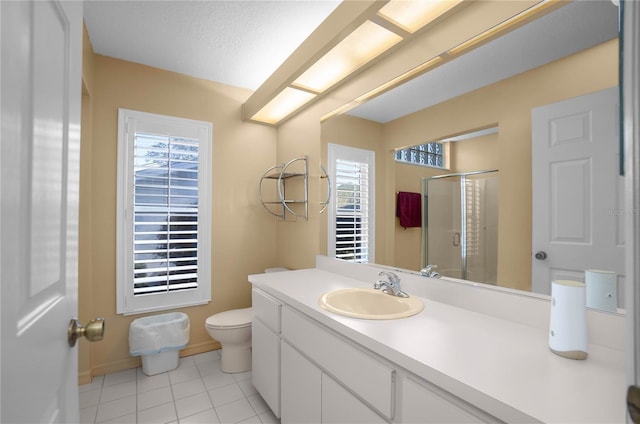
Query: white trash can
[[158, 340]]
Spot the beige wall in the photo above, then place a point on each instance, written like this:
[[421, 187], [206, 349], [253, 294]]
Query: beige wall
[[408, 241], [298, 240], [475, 154], [244, 235], [508, 104]]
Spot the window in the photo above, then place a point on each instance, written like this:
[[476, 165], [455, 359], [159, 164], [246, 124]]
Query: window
[[427, 154], [163, 212], [351, 217]]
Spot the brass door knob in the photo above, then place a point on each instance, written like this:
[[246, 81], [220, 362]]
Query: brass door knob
[[93, 332]]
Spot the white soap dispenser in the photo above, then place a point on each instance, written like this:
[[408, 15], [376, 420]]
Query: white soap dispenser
[[568, 323]]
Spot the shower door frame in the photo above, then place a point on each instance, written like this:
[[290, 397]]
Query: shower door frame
[[463, 212]]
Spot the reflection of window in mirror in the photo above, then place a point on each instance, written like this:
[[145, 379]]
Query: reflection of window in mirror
[[428, 154], [351, 219], [440, 153]]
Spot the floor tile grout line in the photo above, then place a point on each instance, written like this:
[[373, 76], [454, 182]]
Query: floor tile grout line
[[215, 411], [201, 370]]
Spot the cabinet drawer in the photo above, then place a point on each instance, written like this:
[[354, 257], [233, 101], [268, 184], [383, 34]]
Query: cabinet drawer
[[266, 308], [368, 378]]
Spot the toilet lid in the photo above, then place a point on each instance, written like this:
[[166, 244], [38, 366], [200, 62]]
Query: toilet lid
[[230, 319]]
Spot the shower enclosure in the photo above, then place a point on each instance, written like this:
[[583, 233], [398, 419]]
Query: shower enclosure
[[460, 234]]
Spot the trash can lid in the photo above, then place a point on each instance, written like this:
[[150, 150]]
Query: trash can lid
[[230, 319]]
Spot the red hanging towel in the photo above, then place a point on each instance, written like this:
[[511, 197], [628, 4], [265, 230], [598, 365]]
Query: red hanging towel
[[409, 209]]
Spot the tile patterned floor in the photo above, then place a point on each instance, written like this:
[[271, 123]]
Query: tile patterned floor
[[195, 392]]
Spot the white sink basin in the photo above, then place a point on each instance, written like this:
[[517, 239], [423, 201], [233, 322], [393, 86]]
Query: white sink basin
[[369, 304]]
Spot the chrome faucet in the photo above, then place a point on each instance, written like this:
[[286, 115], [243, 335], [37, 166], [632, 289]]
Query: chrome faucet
[[391, 286], [427, 271]]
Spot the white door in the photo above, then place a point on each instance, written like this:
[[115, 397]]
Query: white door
[[41, 96], [575, 157], [631, 111]]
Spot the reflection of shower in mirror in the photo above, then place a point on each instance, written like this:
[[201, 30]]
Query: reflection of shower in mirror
[[461, 225]]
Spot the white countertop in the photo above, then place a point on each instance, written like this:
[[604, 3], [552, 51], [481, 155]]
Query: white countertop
[[495, 364]]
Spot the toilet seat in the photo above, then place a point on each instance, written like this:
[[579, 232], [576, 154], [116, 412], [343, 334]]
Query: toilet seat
[[236, 318]]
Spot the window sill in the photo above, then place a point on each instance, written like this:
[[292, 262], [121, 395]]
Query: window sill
[[162, 308]]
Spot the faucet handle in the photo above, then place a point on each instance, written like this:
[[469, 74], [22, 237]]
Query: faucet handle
[[393, 278], [427, 269]]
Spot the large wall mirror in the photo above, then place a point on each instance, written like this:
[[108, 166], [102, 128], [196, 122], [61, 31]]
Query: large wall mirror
[[508, 84]]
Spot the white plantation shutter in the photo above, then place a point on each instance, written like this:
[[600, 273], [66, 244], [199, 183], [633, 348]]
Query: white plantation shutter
[[473, 217], [351, 217], [352, 211], [164, 212]]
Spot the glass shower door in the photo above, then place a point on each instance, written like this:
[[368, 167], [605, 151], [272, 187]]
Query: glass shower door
[[481, 227], [461, 231], [444, 225]]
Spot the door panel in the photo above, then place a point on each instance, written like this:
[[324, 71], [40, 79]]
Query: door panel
[[444, 226], [41, 81], [570, 208]]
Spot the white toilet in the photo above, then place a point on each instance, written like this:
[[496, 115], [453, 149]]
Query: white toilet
[[233, 330]]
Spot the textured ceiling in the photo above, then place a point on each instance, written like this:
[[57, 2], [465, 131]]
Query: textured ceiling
[[239, 43]]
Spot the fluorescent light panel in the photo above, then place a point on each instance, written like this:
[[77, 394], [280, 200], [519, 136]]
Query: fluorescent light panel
[[365, 43], [282, 105], [411, 15]]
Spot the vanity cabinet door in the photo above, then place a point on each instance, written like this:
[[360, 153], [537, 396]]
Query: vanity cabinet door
[[265, 348], [301, 388], [340, 406], [265, 352], [422, 405]]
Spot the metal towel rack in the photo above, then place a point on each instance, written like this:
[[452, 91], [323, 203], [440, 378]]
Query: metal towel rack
[[297, 207]]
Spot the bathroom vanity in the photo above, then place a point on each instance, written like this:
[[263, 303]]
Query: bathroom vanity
[[445, 364]]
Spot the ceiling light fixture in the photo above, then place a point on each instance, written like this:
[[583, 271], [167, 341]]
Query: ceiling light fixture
[[413, 15], [369, 40], [282, 105]]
